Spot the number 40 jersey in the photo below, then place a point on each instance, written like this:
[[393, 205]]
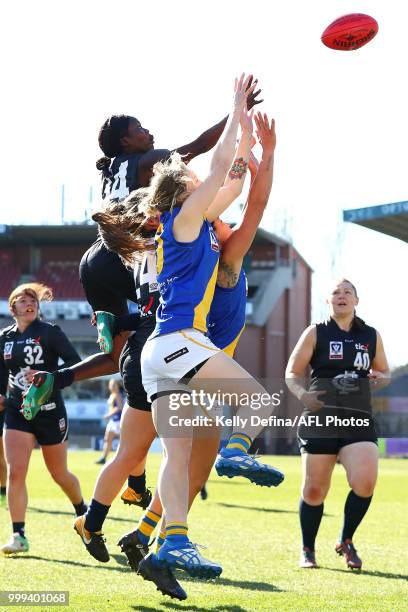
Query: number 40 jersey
[[39, 347], [341, 363]]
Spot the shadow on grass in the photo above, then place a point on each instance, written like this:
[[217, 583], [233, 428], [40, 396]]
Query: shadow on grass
[[238, 584], [364, 572], [258, 509], [101, 566], [190, 608], [72, 515]]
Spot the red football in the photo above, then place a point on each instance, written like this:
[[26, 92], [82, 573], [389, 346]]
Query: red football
[[350, 32]]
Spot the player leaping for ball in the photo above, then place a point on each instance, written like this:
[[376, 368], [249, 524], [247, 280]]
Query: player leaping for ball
[[179, 353]]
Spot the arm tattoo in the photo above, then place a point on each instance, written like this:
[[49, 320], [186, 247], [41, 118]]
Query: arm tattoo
[[227, 277], [238, 168]]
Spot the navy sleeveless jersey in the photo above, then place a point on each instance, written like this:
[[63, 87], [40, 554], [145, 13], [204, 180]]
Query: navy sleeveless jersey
[[123, 177], [39, 347], [147, 288], [341, 362]]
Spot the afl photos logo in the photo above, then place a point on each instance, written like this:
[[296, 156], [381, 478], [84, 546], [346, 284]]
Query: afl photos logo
[[336, 350]]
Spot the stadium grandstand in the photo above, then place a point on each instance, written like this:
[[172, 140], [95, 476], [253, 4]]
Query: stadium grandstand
[[278, 308], [391, 403], [390, 219]]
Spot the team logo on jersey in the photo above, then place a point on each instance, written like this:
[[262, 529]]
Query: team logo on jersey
[[214, 242], [346, 382], [361, 347], [19, 380], [8, 349], [336, 350], [62, 425]]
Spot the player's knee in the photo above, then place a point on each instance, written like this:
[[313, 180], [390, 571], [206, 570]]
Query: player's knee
[[16, 473], [59, 476], [314, 494], [130, 457], [363, 486]]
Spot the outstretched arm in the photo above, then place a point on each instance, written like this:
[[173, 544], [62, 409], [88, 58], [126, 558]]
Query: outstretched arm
[[236, 176], [188, 222], [208, 139], [243, 235], [205, 142]]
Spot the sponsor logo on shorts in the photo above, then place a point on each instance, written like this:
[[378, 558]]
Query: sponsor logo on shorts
[[336, 350], [62, 425], [50, 406], [176, 355], [8, 349]]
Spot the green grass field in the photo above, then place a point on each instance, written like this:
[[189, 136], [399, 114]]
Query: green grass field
[[252, 531]]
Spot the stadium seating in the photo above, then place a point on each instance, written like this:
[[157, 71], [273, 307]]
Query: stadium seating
[[63, 278], [10, 274]]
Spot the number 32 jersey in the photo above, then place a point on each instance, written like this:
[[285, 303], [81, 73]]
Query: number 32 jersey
[[39, 347]]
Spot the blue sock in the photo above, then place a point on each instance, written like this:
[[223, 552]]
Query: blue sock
[[176, 533], [95, 516], [310, 517], [138, 483], [239, 441], [354, 511], [19, 528]]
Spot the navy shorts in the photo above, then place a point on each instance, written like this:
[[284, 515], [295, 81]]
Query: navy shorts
[[130, 369], [48, 427], [2, 413], [330, 440]]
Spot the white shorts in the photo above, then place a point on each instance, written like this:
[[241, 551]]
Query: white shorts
[[166, 359], [113, 426]]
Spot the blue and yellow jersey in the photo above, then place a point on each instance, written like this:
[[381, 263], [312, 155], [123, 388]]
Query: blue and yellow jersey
[[186, 273], [226, 320]]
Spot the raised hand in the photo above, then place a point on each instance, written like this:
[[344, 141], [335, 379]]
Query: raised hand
[[242, 90], [265, 131], [251, 100]]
